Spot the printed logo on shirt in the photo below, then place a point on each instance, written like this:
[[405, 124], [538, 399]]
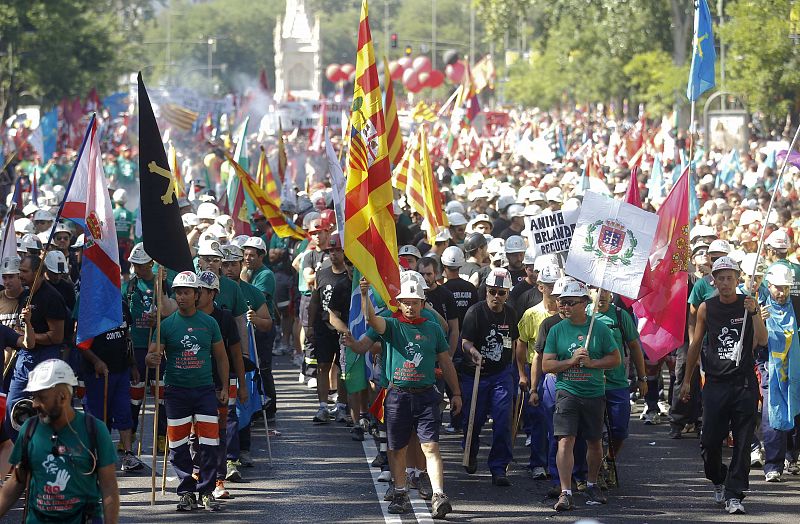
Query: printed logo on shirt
[[53, 498], [493, 347], [728, 338]]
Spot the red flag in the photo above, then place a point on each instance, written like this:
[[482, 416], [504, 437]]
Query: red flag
[[633, 196], [662, 311], [377, 407]]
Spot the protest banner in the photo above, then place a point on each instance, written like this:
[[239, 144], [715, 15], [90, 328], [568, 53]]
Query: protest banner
[[551, 232], [611, 243]]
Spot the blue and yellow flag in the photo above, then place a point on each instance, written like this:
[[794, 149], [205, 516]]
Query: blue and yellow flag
[[701, 75]]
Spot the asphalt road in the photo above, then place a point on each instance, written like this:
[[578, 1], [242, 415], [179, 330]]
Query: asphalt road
[[319, 474]]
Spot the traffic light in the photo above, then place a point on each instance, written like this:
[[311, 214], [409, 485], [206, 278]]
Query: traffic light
[[408, 50], [394, 40]]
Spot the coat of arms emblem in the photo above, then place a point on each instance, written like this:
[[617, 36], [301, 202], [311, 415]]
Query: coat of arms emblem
[[614, 237]]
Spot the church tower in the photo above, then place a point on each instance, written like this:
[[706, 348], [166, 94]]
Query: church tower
[[297, 55]]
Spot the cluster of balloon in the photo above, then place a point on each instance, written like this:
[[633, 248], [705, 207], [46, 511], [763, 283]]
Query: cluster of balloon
[[340, 73], [415, 74]]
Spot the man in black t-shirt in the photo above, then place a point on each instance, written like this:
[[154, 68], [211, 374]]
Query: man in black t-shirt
[[730, 396], [48, 314], [488, 340], [440, 299], [464, 293], [527, 287]]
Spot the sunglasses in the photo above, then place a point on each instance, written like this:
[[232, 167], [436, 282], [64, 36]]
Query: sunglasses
[[569, 303], [497, 292]]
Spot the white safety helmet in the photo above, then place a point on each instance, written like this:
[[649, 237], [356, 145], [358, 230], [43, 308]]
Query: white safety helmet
[[189, 219], [411, 289], [549, 274], [43, 237], [231, 253], [255, 243], [701, 230], [558, 287], [185, 279], [443, 236], [50, 373], [30, 209], [10, 266], [515, 244], [224, 220], [207, 211], [416, 276], [120, 196], [505, 201], [545, 260], [409, 250], [719, 246], [780, 275], [455, 206], [499, 277], [29, 244], [496, 245], [79, 242], [456, 219], [453, 257], [554, 195], [43, 215], [208, 280], [575, 289], [23, 226], [61, 227], [139, 255], [239, 240], [217, 230], [724, 263], [752, 263], [56, 262], [516, 211], [209, 249], [779, 240], [530, 258]]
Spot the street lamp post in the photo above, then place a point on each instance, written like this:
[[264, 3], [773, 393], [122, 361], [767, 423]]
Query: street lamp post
[[211, 43]]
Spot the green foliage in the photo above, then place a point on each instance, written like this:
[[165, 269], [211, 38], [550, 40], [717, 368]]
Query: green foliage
[[655, 80]]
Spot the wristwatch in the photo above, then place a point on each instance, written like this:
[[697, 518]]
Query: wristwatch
[[640, 379]]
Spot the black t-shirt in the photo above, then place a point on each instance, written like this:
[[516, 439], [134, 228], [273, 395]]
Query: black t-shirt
[[46, 303], [500, 224], [464, 294], [67, 291], [544, 329], [340, 300], [442, 301], [316, 260], [508, 232], [527, 299], [723, 329], [322, 295], [493, 335], [112, 346], [230, 336]]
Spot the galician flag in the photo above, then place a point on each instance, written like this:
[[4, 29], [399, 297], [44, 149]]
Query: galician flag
[[370, 240], [87, 203]]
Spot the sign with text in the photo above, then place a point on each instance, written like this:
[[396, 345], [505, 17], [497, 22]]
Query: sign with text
[[551, 232]]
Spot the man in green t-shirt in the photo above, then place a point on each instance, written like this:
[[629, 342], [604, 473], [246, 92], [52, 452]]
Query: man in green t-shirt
[[579, 365], [413, 346], [70, 482], [124, 222], [189, 339]]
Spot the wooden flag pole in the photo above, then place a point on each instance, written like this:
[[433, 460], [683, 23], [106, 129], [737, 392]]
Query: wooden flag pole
[[471, 425], [517, 415], [164, 469], [144, 401], [159, 281]]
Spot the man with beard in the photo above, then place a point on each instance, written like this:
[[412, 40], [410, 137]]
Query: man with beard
[[66, 457]]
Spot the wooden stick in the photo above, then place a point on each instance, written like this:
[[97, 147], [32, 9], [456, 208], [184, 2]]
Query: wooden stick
[[471, 425], [144, 402], [517, 416], [164, 469], [156, 393]]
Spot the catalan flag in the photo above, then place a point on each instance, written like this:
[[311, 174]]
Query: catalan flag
[[265, 178], [423, 113], [400, 172], [370, 240], [282, 226], [422, 190], [394, 138], [179, 117]]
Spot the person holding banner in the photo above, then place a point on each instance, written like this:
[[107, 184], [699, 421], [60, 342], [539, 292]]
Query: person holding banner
[[730, 396], [579, 356]]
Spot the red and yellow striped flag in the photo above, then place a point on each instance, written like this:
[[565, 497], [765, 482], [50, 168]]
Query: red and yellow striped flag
[[282, 226], [400, 172], [266, 180], [423, 192], [282, 160], [370, 240], [175, 167], [394, 138]]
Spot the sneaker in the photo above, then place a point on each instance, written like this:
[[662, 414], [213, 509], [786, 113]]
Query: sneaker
[[756, 458], [564, 502], [245, 460], [580, 485], [208, 502], [412, 481], [719, 493], [663, 408], [323, 416], [379, 461], [400, 503], [500, 480], [340, 416], [312, 383], [440, 506], [594, 496], [357, 434], [220, 492], [187, 502], [424, 486], [232, 474], [385, 476], [792, 468], [537, 473], [773, 476], [131, 462], [651, 419], [389, 495], [301, 378], [734, 507]]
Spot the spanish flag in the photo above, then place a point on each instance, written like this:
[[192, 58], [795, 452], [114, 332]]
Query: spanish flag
[[282, 226], [394, 139], [370, 240]]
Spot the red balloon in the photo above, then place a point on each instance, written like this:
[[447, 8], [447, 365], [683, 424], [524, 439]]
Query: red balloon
[[455, 72], [395, 70], [352, 76], [411, 80], [422, 64], [424, 78], [332, 72], [435, 78], [347, 69], [404, 62]]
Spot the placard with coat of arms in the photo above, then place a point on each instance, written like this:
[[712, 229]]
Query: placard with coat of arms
[[611, 244]]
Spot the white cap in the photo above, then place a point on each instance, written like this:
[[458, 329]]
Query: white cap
[[516, 211], [411, 289], [752, 263], [185, 279], [79, 241], [49, 373], [549, 274], [139, 255], [208, 280], [558, 287], [231, 253], [515, 244], [456, 219], [575, 288], [454, 206], [724, 263], [778, 239], [121, 196], [530, 257], [409, 250], [780, 275], [255, 243], [207, 211], [209, 249], [499, 277], [10, 266], [56, 262], [453, 257], [23, 225], [719, 246], [43, 215], [496, 245], [701, 230]]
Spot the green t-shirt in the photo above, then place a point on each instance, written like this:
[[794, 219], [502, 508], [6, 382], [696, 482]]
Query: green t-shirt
[[701, 291], [126, 169], [187, 342], [230, 297], [252, 295], [409, 353], [617, 378], [563, 339], [264, 279], [123, 222], [58, 484], [142, 296]]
